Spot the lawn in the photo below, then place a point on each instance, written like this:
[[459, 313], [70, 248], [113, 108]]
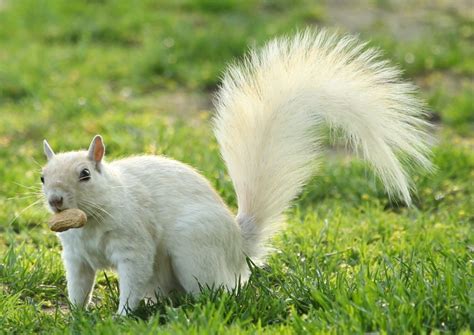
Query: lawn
[[142, 74]]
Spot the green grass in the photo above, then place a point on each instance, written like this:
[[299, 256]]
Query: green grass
[[350, 261]]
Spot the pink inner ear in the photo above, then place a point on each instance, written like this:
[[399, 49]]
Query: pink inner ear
[[98, 150]]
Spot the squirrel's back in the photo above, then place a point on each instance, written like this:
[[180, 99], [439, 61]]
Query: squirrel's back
[[162, 180]]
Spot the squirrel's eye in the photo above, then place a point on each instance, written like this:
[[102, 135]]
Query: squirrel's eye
[[42, 179], [85, 175]]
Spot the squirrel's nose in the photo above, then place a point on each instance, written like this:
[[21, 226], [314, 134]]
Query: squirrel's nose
[[55, 201]]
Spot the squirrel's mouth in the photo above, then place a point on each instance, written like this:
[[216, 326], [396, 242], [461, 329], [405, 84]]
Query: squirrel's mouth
[[57, 210]]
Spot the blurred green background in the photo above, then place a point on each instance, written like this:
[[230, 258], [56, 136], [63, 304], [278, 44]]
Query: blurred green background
[[143, 74]]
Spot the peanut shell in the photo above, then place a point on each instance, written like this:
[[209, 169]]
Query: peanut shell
[[67, 219]]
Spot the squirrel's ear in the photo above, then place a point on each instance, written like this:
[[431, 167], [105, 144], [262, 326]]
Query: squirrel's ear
[[96, 149], [47, 150]]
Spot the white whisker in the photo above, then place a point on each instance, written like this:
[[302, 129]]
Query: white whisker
[[101, 211], [27, 187], [23, 210]]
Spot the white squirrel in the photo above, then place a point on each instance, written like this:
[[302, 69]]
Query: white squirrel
[[161, 225]]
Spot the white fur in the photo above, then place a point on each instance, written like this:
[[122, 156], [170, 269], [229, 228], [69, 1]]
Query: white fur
[[160, 224]]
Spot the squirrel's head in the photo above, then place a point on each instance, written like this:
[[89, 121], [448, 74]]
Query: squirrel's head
[[73, 179]]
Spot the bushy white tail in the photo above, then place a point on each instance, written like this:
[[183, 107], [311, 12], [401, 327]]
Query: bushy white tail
[[270, 109]]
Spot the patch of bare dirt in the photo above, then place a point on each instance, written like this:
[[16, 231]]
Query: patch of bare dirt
[[186, 104], [404, 20]]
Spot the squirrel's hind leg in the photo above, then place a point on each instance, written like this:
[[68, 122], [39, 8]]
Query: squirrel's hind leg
[[133, 281], [206, 251]]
